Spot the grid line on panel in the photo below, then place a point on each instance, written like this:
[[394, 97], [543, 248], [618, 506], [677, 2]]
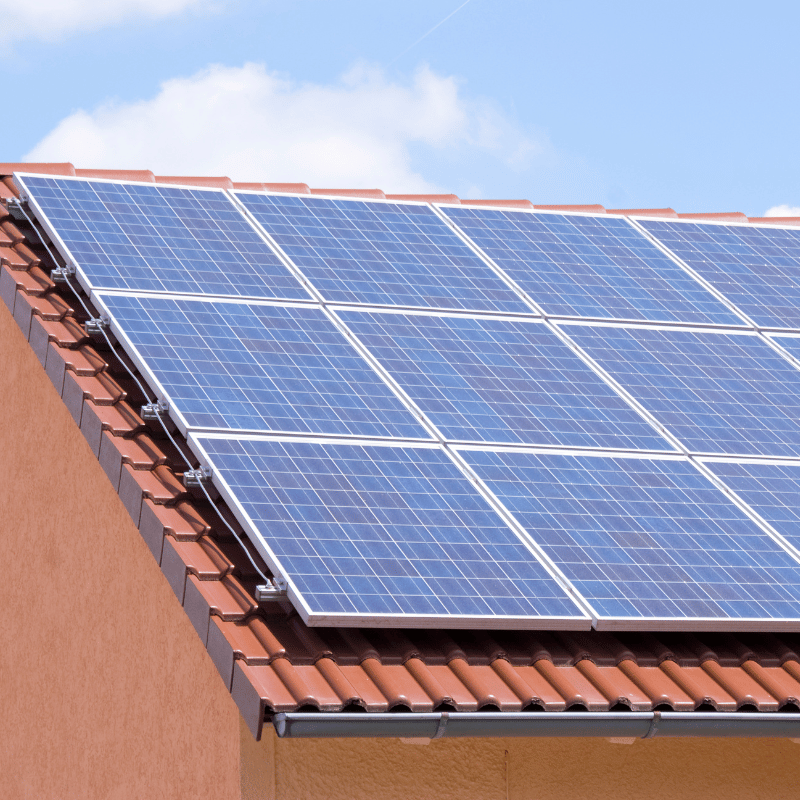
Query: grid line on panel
[[382, 530], [379, 253], [756, 267], [500, 380], [258, 367], [771, 490], [592, 267], [159, 238], [644, 538], [715, 392]]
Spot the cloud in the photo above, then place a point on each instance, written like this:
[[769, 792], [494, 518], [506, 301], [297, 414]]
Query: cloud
[[783, 211], [54, 19], [250, 124]]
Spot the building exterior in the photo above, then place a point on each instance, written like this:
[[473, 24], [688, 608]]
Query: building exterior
[[136, 661]]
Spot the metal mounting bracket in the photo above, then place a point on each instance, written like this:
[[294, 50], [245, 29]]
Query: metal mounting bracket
[[96, 327], [152, 412], [197, 478], [276, 589], [15, 207], [62, 274]]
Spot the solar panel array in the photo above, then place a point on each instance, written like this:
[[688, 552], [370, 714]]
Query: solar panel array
[[468, 417]]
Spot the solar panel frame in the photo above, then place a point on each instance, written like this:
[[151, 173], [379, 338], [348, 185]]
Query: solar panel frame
[[789, 367], [531, 298], [535, 326], [606, 622], [525, 308], [580, 620], [183, 423], [749, 315], [295, 291]]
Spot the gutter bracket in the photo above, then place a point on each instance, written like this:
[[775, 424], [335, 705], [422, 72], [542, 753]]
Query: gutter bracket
[[440, 728], [654, 723]]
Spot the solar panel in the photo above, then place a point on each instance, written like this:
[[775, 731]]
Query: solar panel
[[772, 490], [646, 539], [501, 381], [158, 238], [755, 267], [257, 367], [380, 253], [717, 392], [384, 536], [583, 266]]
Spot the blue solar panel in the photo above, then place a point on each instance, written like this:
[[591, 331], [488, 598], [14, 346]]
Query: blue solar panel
[[718, 393], [381, 253], [501, 381], [757, 268], [773, 490], [645, 538], [258, 367], [383, 531], [160, 238], [581, 266]]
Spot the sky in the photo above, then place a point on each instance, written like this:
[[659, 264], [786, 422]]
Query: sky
[[629, 104]]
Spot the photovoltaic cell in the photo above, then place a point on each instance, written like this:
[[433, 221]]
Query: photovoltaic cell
[[717, 392], [645, 538], [773, 490], [243, 366], [757, 268], [500, 381], [354, 251], [598, 267], [161, 238], [383, 531]]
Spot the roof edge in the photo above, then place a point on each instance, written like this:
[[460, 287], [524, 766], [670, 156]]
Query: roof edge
[[624, 726]]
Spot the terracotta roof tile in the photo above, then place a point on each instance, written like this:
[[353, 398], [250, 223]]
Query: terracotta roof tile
[[721, 216], [643, 212], [426, 198], [589, 209], [499, 203], [367, 194], [40, 168], [185, 180], [774, 220], [140, 175], [120, 419], [273, 662]]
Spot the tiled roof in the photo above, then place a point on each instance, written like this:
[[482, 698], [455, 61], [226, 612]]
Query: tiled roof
[[269, 659]]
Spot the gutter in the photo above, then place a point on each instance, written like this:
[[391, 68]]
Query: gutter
[[624, 726]]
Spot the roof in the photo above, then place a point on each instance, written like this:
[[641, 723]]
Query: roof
[[268, 658]]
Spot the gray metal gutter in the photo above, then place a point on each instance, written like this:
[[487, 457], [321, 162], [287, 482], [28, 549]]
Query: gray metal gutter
[[612, 725]]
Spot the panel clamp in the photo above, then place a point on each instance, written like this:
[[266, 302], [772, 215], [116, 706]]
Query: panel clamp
[[197, 478], [152, 412], [276, 589], [16, 208], [96, 327], [62, 274]]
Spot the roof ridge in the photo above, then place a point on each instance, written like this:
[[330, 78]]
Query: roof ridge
[[224, 182]]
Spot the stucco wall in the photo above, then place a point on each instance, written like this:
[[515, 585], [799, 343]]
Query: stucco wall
[[105, 689], [523, 769]]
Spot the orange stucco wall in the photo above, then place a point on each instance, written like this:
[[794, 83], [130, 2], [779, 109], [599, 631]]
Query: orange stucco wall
[[105, 689], [522, 769]]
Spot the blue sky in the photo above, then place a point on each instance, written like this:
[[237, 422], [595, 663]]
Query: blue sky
[[628, 104]]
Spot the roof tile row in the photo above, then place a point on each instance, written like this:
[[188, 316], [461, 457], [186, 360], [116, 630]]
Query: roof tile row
[[223, 182], [271, 661]]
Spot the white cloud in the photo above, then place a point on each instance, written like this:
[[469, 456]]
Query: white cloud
[[53, 19], [783, 211], [250, 124]]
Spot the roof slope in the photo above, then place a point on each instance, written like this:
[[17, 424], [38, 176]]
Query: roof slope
[[268, 658]]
